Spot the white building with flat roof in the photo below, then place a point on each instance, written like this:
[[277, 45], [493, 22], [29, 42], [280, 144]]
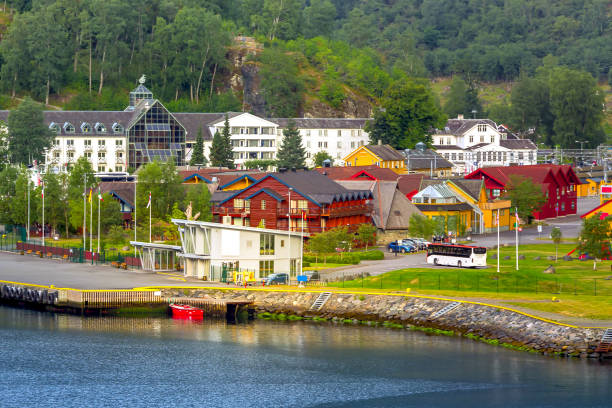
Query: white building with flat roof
[[213, 251]]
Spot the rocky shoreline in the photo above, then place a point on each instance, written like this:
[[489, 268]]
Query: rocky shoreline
[[487, 323]]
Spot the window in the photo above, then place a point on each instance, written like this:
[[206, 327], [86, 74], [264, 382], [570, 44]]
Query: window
[[238, 203], [325, 132], [117, 128], [481, 139], [263, 204], [100, 128], [68, 127], [562, 206], [352, 145], [71, 155], [359, 132], [85, 127], [266, 268], [471, 138], [54, 127], [339, 145], [101, 168], [87, 142], [353, 132], [266, 243], [307, 132], [70, 142], [482, 128], [56, 155], [520, 155], [322, 144], [573, 205], [101, 155], [101, 142], [119, 168], [119, 155], [460, 156], [266, 131], [492, 139], [88, 155], [235, 131], [308, 144], [339, 133], [253, 131], [56, 142], [453, 156], [448, 141], [496, 193], [320, 132], [118, 142]]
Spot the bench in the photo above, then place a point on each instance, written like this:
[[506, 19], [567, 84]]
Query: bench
[[65, 256], [49, 254], [38, 253], [29, 251], [124, 265]]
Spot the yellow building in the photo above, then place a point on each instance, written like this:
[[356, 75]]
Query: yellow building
[[239, 183], [383, 156], [604, 211], [591, 179]]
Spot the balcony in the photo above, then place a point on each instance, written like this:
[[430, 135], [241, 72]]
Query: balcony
[[236, 211], [119, 160], [101, 160], [70, 148], [87, 148], [101, 148], [347, 211]]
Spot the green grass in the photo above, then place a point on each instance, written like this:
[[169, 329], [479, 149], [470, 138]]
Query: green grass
[[589, 290], [320, 265]]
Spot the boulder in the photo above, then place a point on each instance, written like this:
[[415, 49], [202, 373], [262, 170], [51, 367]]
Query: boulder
[[507, 257], [567, 258], [549, 270], [550, 258], [494, 256], [521, 257], [537, 258]]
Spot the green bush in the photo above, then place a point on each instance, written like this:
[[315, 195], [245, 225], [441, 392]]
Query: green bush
[[374, 255]]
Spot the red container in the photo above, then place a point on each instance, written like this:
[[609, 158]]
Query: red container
[[186, 312]]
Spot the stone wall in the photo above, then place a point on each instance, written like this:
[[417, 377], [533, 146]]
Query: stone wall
[[483, 321]]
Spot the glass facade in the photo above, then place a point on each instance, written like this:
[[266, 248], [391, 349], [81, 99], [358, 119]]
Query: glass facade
[[156, 136]]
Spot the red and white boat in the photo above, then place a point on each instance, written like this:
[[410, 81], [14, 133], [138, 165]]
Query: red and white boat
[[186, 312]]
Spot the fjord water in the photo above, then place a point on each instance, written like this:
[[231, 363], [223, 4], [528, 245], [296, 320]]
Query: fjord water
[[72, 361]]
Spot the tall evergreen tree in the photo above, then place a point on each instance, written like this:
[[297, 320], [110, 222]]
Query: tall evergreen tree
[[28, 136], [227, 145], [217, 152], [197, 156], [291, 153]]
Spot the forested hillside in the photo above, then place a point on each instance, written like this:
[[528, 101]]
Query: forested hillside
[[311, 57]]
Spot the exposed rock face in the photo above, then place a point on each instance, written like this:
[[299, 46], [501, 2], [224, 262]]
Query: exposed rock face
[[485, 321]]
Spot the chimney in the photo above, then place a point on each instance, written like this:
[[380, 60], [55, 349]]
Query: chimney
[[379, 142], [460, 116]]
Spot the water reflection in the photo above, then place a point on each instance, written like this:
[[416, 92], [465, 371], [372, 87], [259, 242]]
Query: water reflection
[[111, 361]]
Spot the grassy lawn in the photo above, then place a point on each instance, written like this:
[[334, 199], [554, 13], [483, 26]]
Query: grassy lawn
[[583, 291]]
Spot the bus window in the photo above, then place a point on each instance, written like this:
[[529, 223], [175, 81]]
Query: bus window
[[480, 250]]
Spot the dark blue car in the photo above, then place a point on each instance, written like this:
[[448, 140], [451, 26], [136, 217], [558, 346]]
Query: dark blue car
[[400, 247]]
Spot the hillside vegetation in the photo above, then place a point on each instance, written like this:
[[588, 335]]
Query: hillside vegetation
[[310, 57]]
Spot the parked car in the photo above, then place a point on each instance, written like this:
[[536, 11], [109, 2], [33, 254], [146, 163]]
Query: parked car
[[421, 243], [277, 279], [412, 242], [400, 247]]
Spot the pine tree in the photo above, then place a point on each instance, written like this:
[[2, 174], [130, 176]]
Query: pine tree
[[217, 151], [291, 153], [197, 156], [227, 145]]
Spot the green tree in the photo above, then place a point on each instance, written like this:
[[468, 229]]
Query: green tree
[[199, 197], [530, 108], [19, 203], [556, 236], [261, 164], [576, 103], [28, 137], [217, 151], [409, 114], [161, 180], [320, 157], [77, 188], [227, 145], [420, 226], [282, 85], [463, 99], [291, 153], [366, 234], [595, 237], [197, 156], [525, 196], [319, 18]]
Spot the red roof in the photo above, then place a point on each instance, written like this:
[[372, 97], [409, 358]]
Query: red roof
[[498, 177], [409, 184]]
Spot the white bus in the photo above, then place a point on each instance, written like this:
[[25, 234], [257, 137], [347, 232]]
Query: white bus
[[456, 255]]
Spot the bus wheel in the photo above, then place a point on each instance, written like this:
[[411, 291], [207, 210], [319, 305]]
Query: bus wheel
[[435, 261], [459, 264]]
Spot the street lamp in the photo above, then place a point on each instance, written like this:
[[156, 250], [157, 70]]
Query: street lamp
[[582, 142], [474, 113]]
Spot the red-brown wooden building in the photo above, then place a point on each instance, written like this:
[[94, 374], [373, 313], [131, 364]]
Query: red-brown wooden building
[[319, 201], [558, 183]]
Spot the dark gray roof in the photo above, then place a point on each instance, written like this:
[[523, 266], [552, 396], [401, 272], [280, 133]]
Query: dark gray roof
[[458, 127], [518, 144], [320, 188], [444, 207], [221, 195], [385, 152], [322, 123], [121, 190], [194, 121], [477, 146], [427, 159], [448, 147], [471, 187]]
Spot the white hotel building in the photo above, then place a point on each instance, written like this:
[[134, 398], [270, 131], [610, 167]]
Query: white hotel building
[[470, 144]]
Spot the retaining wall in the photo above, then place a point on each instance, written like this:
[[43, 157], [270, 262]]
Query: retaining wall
[[485, 321]]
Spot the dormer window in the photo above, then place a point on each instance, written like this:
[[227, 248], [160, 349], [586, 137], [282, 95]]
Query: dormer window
[[117, 128], [482, 128], [85, 127], [68, 127], [55, 128], [100, 128]]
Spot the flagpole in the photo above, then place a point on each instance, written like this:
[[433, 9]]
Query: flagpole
[[516, 230], [99, 205], [302, 246], [43, 214], [135, 238], [85, 213], [28, 227], [498, 240], [90, 222], [150, 216]]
